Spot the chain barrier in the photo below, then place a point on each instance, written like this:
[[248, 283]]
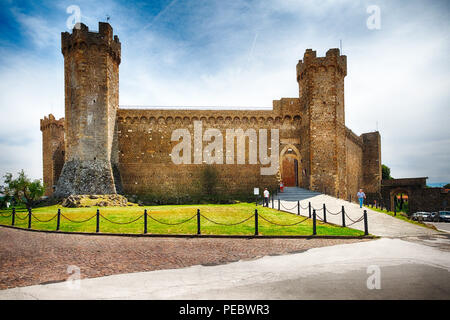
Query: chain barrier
[[34, 216], [18, 217], [334, 214], [172, 224], [227, 224], [304, 207], [287, 208], [352, 219], [2, 214], [359, 220], [282, 225], [82, 221], [122, 223]]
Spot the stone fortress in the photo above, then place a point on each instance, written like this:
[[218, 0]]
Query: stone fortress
[[99, 148]]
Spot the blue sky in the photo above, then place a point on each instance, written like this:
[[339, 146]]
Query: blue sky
[[241, 54]]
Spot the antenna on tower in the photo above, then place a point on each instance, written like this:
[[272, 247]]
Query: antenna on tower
[[377, 125], [340, 45], [107, 18]]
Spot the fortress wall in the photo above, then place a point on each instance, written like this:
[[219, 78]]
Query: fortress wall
[[144, 148], [354, 151], [52, 151], [372, 162]]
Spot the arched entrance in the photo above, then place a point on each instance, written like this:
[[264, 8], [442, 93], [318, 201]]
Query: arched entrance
[[289, 166], [399, 199]]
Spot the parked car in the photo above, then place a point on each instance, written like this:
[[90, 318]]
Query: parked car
[[421, 216], [444, 216], [434, 217]]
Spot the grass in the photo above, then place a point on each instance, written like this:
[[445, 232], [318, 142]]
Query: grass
[[231, 213], [401, 216]]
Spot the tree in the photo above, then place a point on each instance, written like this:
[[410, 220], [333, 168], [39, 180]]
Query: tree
[[385, 172], [447, 186], [23, 189]]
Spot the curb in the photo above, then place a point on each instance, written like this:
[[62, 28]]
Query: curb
[[219, 236]]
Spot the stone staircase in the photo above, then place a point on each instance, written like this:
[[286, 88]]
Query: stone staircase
[[295, 193]]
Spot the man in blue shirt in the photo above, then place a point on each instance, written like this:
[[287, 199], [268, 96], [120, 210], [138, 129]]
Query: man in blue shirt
[[361, 196]]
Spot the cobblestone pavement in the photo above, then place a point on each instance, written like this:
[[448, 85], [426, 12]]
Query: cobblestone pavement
[[30, 258]]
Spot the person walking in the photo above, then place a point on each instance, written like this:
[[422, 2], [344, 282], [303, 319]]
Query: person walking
[[266, 197], [361, 196]]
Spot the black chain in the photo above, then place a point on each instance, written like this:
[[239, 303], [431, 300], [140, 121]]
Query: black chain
[[82, 221], [334, 214], [282, 225], [228, 224], [18, 217], [114, 222], [281, 203], [172, 224], [354, 221], [2, 214], [34, 216], [360, 219]]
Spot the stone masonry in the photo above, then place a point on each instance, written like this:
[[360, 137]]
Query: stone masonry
[[118, 150]]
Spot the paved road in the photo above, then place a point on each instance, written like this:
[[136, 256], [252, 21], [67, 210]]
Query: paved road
[[406, 269], [442, 226], [380, 224]]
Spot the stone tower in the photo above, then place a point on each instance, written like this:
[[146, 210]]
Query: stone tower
[[91, 79], [52, 151], [321, 83]]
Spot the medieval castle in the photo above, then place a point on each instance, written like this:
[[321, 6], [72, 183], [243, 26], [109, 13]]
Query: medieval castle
[[99, 148]]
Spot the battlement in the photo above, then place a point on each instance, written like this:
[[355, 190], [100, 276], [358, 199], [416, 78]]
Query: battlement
[[82, 38], [49, 121], [332, 60]]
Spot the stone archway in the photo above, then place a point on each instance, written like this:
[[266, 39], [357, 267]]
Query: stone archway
[[397, 191], [290, 166]]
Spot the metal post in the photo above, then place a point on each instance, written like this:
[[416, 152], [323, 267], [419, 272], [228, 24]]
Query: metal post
[[256, 222], [309, 209], [324, 213], [314, 222], [98, 221], [298, 207], [58, 219], [366, 228], [278, 204], [272, 202], [145, 221], [343, 216], [198, 222], [13, 219], [350, 198], [29, 218]]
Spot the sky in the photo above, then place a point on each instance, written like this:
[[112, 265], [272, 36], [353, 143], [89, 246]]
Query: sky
[[241, 54]]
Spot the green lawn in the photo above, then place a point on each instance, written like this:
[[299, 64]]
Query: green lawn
[[172, 214]]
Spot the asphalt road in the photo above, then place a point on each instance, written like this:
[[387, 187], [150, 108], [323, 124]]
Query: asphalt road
[[443, 226], [410, 268]]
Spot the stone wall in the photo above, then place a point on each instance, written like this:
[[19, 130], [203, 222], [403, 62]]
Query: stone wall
[[111, 150], [91, 74], [52, 151], [321, 88], [354, 145]]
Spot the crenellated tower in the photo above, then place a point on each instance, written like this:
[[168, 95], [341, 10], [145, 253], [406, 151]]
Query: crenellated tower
[[52, 151], [91, 78], [321, 84]]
